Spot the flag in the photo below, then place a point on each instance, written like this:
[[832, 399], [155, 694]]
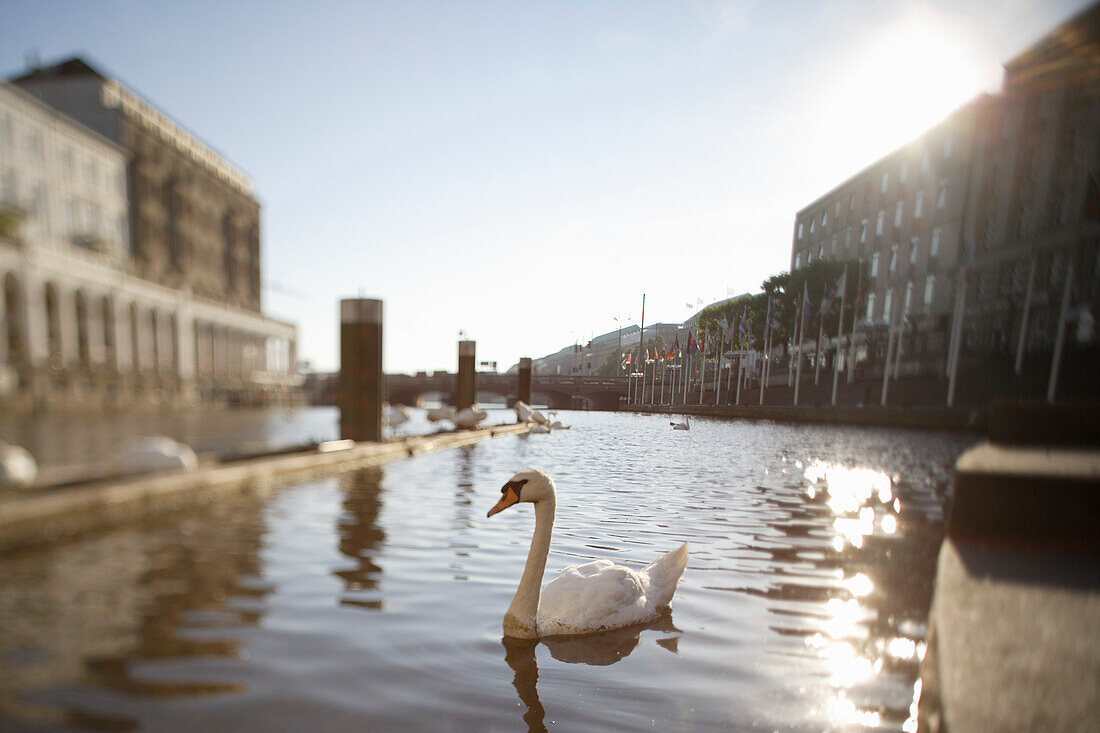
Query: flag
[[1091, 211], [650, 355], [703, 341], [836, 292], [693, 348], [626, 361], [676, 343], [689, 306], [725, 326], [698, 300], [743, 327]]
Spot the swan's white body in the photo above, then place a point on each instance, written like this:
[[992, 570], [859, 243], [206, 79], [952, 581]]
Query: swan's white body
[[538, 418], [595, 596], [17, 465], [155, 453], [446, 412], [395, 415], [540, 429], [556, 425], [469, 417], [524, 412], [685, 425]]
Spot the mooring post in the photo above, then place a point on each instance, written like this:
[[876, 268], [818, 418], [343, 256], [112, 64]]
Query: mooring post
[[361, 379], [466, 382], [523, 391]]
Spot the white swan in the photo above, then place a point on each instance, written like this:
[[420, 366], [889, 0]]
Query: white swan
[[540, 429], [523, 411], [395, 415], [446, 412], [469, 417], [155, 453], [538, 418], [685, 425], [596, 596], [556, 425], [17, 465]]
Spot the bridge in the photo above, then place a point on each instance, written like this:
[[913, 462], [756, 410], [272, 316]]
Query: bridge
[[560, 392]]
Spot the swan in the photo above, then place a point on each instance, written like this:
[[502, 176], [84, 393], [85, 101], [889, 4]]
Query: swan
[[539, 418], [541, 429], [446, 412], [596, 596], [395, 415], [17, 465], [556, 425], [469, 417], [155, 453], [685, 425], [523, 411]]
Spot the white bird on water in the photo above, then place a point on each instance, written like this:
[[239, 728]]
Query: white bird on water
[[17, 466], [685, 425], [154, 453], [469, 417], [596, 596], [524, 413], [445, 412]]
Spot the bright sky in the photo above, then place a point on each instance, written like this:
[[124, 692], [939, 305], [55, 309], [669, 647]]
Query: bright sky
[[524, 171]]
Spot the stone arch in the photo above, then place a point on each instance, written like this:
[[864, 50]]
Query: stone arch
[[110, 343], [15, 321], [53, 321], [83, 340]]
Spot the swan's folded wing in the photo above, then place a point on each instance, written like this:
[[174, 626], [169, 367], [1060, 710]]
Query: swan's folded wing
[[593, 596]]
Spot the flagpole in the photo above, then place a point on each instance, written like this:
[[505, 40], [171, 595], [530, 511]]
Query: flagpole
[[718, 370], [1024, 319], [801, 337], [653, 381], [794, 337], [855, 315], [767, 335], [886, 365], [703, 372], [1060, 340], [817, 346], [839, 333], [956, 337]]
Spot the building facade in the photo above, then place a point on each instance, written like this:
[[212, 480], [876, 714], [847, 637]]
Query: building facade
[[84, 323], [974, 223]]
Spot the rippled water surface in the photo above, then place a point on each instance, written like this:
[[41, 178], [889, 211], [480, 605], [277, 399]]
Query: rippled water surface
[[373, 600]]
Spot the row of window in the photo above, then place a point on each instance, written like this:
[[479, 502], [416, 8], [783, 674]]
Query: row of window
[[906, 309], [914, 243], [74, 166], [884, 187], [82, 218]]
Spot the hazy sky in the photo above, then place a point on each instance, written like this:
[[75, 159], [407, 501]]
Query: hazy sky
[[525, 171]]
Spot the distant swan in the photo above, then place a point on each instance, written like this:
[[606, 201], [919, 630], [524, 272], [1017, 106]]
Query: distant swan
[[685, 425], [596, 596], [154, 453], [17, 465], [469, 417], [446, 412]]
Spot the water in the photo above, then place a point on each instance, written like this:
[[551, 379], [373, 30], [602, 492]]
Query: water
[[373, 600]]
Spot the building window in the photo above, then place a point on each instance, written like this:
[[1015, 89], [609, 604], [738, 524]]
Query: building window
[[821, 251], [934, 246], [824, 219], [893, 258], [797, 260], [812, 225], [809, 255], [908, 298], [914, 247], [832, 247], [800, 230], [863, 232], [885, 182], [874, 265], [929, 283], [878, 223], [918, 207], [887, 302], [903, 171], [836, 211], [870, 307], [899, 207], [942, 200]]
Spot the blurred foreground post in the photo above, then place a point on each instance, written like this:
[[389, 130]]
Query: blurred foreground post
[[523, 391], [361, 380], [466, 381]]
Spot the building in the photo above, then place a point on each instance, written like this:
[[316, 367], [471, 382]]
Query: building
[[117, 292], [586, 359], [967, 231], [901, 218]]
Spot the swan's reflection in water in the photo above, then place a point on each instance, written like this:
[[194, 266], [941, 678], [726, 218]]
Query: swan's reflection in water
[[601, 650]]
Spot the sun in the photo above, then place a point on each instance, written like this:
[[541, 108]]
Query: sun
[[910, 76]]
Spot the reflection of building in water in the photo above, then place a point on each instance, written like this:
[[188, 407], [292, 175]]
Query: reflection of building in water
[[129, 256]]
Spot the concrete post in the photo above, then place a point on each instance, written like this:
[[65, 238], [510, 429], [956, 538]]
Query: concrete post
[[361, 379], [466, 382], [523, 391]]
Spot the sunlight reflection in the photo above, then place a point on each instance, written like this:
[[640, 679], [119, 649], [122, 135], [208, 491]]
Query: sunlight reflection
[[859, 585], [850, 491], [845, 711], [910, 724]]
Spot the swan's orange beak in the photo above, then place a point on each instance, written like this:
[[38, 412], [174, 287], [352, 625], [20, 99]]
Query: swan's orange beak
[[509, 496]]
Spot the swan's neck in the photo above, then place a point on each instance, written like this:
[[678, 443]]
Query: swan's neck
[[519, 621]]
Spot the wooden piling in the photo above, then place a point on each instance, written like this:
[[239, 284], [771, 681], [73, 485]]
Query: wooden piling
[[466, 382], [523, 390], [361, 379]]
